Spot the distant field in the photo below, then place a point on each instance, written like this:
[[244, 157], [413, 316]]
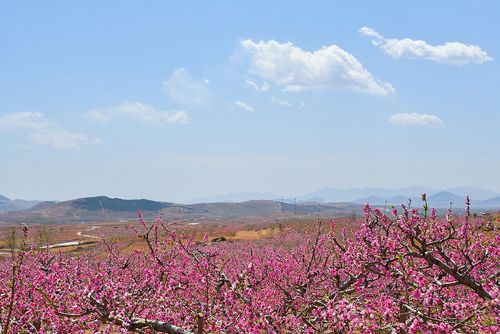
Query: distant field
[[60, 236], [89, 234]]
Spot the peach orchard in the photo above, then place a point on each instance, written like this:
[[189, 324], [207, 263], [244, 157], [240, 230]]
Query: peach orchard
[[399, 271]]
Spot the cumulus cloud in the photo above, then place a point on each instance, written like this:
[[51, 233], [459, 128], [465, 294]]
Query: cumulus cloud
[[293, 69], [139, 112], [182, 88], [43, 131], [243, 105], [415, 119], [449, 53]]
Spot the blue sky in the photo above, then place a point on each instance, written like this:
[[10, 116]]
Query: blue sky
[[173, 100]]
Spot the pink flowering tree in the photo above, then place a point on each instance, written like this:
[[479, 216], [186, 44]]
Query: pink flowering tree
[[406, 272]]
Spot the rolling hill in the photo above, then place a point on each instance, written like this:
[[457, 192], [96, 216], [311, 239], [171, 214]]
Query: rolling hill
[[102, 208], [85, 209]]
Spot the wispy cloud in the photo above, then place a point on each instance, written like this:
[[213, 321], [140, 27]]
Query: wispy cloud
[[43, 131], [280, 102], [23, 120], [243, 105], [139, 112], [450, 53], [60, 138], [182, 88], [288, 66], [262, 88], [415, 119], [23, 147]]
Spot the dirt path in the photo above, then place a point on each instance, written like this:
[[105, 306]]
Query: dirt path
[[78, 242], [80, 234]]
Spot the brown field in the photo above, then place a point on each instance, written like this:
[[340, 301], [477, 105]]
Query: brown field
[[89, 234]]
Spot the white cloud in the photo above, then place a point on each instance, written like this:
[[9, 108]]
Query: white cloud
[[139, 112], [60, 138], [23, 120], [287, 66], [280, 102], [243, 105], [450, 53], [262, 88], [43, 131], [182, 88], [415, 119]]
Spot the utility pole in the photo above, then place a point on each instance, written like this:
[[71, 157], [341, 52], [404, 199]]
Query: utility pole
[[102, 208], [319, 210]]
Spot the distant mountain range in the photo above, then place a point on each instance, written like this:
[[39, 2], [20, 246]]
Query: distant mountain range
[[441, 199], [235, 197], [438, 198], [355, 194], [327, 201], [7, 204]]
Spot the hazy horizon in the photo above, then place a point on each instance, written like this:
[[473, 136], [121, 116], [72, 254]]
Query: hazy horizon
[[414, 191], [175, 101]]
